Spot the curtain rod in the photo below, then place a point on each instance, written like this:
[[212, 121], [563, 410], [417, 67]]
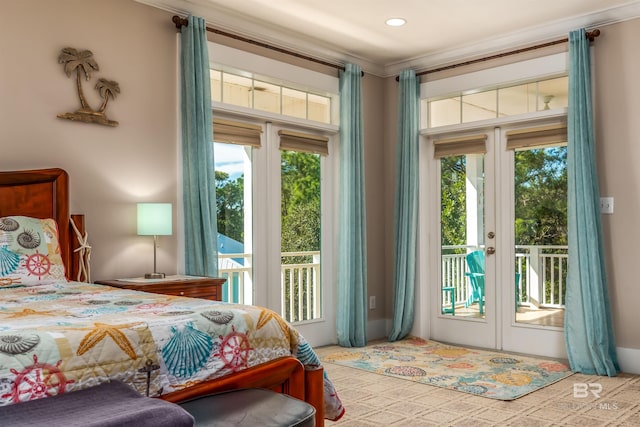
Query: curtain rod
[[183, 22], [591, 35]]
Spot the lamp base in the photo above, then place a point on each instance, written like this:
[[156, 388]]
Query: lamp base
[[154, 276]]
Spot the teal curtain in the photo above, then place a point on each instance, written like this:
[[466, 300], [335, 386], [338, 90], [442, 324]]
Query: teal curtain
[[406, 205], [201, 257], [351, 319], [588, 325]]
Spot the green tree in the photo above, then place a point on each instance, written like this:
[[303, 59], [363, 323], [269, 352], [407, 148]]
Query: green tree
[[301, 228], [452, 200], [541, 196], [300, 201], [230, 205]]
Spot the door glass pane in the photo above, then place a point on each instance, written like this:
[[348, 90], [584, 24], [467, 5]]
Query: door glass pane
[[541, 235], [300, 238], [462, 235], [234, 212]]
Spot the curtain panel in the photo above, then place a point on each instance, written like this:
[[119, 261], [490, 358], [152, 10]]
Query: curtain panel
[[351, 318], [201, 256], [588, 324], [406, 205]]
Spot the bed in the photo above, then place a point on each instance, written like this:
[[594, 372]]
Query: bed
[[59, 335]]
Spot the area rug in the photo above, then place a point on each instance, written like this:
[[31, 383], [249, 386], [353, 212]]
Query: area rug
[[489, 374]]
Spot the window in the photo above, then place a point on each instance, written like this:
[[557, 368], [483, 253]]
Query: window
[[476, 105], [275, 128], [300, 240], [233, 154], [247, 90], [300, 182]]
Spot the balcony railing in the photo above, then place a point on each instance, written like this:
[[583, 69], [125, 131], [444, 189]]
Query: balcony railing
[[237, 269], [541, 273], [299, 280]]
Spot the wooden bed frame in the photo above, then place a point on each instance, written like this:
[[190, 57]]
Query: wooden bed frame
[[44, 193]]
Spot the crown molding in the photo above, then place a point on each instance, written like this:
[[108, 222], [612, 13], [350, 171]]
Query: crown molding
[[230, 21], [529, 36]]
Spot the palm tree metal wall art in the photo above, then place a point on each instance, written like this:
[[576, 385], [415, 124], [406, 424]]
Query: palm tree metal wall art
[[82, 62]]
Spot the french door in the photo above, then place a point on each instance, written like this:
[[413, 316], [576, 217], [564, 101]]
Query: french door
[[496, 282], [297, 226], [275, 222]]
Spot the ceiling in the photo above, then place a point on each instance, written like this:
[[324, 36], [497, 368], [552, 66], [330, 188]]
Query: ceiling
[[436, 32]]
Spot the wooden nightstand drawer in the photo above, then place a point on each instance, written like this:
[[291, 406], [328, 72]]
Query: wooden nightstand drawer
[[186, 286], [208, 292]]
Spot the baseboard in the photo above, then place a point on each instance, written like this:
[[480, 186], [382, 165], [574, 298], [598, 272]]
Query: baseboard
[[377, 329], [629, 360]]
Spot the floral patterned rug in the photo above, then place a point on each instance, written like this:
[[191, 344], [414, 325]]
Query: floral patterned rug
[[489, 374]]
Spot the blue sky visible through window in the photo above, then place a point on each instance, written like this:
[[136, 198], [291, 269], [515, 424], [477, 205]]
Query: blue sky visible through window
[[229, 158]]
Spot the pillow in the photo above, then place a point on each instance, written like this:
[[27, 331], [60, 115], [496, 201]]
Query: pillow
[[29, 252]]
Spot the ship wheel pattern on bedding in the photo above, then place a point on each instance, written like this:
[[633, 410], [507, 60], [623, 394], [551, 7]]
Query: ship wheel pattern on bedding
[[234, 350], [38, 264], [37, 381]]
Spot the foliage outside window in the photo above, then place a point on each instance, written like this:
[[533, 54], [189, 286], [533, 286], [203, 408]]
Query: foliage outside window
[[301, 231], [541, 209]]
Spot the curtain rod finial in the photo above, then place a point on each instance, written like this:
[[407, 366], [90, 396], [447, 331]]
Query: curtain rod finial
[[180, 22], [591, 35]]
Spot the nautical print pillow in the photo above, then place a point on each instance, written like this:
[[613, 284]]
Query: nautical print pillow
[[29, 252]]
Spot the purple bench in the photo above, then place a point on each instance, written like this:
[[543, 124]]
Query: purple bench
[[106, 405]]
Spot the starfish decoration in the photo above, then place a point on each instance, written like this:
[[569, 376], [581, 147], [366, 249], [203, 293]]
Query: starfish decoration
[[7, 281], [103, 330], [30, 312], [267, 315]]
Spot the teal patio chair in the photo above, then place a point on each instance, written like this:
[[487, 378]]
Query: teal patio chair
[[475, 264]]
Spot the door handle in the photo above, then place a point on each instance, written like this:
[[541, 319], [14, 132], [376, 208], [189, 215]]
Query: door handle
[[491, 250]]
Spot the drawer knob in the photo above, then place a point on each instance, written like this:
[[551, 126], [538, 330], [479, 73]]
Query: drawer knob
[[181, 293]]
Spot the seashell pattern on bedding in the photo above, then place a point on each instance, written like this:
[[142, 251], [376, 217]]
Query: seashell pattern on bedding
[[81, 334], [30, 253], [187, 351], [9, 261], [18, 343]]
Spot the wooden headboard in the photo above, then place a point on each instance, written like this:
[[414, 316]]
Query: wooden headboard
[[41, 193]]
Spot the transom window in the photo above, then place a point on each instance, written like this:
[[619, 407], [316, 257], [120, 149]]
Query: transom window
[[502, 101], [247, 90]]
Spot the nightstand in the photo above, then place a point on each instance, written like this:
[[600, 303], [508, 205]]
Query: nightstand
[[185, 286]]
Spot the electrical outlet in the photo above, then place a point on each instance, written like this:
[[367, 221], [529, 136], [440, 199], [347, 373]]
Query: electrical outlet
[[372, 302], [606, 205]]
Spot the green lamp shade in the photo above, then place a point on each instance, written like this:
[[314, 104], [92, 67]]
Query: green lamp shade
[[154, 219]]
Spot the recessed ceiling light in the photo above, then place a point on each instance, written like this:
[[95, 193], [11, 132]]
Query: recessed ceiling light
[[396, 22]]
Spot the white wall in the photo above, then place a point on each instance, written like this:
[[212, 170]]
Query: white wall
[[111, 169]]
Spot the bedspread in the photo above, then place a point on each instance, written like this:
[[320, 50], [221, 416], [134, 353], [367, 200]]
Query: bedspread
[[67, 336]]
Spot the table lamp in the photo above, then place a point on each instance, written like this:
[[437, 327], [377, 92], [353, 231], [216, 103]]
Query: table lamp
[[154, 219]]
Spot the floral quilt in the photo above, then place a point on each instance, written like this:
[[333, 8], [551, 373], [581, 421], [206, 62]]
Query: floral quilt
[[66, 336]]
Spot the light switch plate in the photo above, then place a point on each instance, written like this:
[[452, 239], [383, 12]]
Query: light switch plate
[[606, 205]]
